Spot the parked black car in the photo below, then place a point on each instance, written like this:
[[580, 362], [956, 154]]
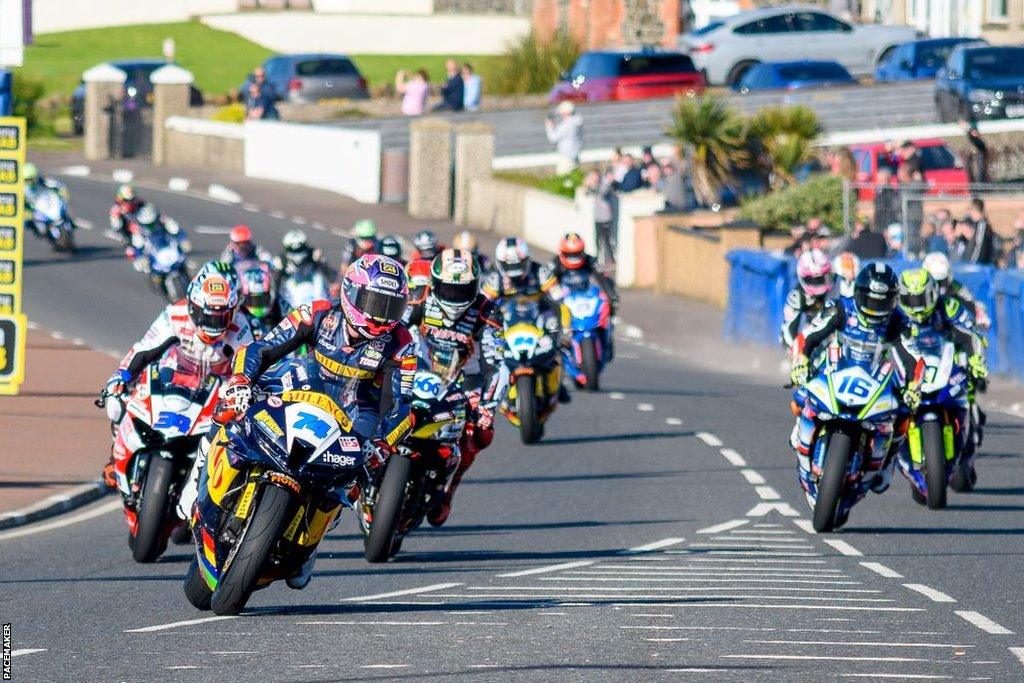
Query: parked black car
[[981, 82], [137, 85]]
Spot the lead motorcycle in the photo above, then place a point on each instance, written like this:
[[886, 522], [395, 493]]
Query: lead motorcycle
[[272, 487], [854, 406], [305, 285], [535, 366], [50, 219], [164, 259], [590, 318], [402, 492], [160, 426], [939, 440]]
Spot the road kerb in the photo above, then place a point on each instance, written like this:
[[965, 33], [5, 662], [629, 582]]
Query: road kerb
[[57, 504]]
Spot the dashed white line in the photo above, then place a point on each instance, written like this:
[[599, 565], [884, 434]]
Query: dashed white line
[[853, 644], [83, 223], [983, 622], [122, 175], [545, 570], [882, 570], [665, 640], [929, 592], [299, 220], [59, 336], [733, 457], [806, 525], [674, 421], [843, 547], [1018, 652], [645, 407], [654, 545], [407, 591], [616, 395], [370, 623], [277, 214], [767, 493], [177, 184], [752, 476], [385, 666], [251, 208], [317, 225], [913, 677], [709, 439], [211, 230], [724, 526], [31, 651], [176, 624], [827, 659]]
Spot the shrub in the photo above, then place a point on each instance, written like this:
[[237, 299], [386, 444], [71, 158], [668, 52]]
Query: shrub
[[230, 113], [27, 93], [820, 195], [530, 65], [562, 185], [714, 133]]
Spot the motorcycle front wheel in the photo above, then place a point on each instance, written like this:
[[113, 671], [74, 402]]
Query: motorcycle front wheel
[[526, 409], [934, 463], [387, 510], [830, 486], [588, 349], [150, 541], [238, 582]]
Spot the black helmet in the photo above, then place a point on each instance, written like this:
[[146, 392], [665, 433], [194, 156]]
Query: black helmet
[[875, 292], [426, 243], [391, 247]]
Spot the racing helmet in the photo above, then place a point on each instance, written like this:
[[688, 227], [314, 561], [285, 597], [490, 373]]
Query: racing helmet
[[874, 293], [391, 247], [212, 302], [125, 194], [258, 290], [426, 244], [418, 275], [512, 258], [846, 265], [296, 247], [241, 241], [814, 271], [224, 270], [147, 216], [29, 172], [937, 265], [374, 293], [365, 232], [919, 294], [465, 240], [572, 251], [454, 281]]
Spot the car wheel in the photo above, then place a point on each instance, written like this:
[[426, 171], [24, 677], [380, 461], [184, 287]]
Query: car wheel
[[884, 56], [738, 71]]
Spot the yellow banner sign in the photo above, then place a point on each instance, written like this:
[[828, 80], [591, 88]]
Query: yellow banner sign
[[13, 324]]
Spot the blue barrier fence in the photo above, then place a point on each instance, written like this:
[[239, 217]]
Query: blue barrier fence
[[759, 282]]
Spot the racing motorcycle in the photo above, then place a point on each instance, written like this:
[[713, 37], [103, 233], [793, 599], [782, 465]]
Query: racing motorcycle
[[50, 219], [161, 425], [939, 436], [272, 487], [164, 259], [590, 318], [854, 406], [403, 491], [535, 368], [304, 286]]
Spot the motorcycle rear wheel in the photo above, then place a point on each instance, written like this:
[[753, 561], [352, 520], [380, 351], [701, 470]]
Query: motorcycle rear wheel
[[934, 463], [588, 349], [238, 582], [831, 484], [387, 511], [196, 590], [150, 539], [65, 243], [175, 285], [526, 409]]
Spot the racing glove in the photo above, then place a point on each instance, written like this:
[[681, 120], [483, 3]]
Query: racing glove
[[976, 364], [912, 395], [798, 372], [235, 398], [118, 382]]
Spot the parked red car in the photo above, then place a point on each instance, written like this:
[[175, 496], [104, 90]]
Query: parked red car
[[943, 172], [628, 75]]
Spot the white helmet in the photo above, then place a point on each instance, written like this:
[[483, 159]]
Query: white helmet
[[937, 265], [814, 271], [146, 215], [512, 257]]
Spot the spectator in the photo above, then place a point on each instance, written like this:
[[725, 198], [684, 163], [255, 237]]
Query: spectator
[[977, 162], [911, 192], [633, 179], [864, 242], [414, 91], [566, 135], [980, 246], [949, 237], [1015, 258], [259, 103], [471, 88], [653, 178], [453, 89], [887, 201], [930, 239], [601, 188], [674, 181], [894, 241], [647, 161], [841, 164], [910, 163], [619, 167]]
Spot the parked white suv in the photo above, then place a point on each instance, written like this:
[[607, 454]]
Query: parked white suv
[[777, 34]]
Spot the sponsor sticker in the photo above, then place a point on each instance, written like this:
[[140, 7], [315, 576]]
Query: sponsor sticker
[[349, 443], [389, 268], [337, 459], [274, 402]]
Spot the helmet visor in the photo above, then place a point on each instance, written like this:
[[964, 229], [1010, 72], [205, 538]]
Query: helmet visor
[[213, 321], [922, 302], [381, 307], [816, 280], [456, 293], [258, 300]]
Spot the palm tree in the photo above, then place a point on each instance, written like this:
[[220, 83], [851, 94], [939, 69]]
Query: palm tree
[[785, 135], [714, 133]]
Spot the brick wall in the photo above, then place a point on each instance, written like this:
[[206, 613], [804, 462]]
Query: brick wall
[[521, 8], [610, 23]]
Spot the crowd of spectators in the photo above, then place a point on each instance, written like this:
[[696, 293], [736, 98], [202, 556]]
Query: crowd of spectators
[[461, 90]]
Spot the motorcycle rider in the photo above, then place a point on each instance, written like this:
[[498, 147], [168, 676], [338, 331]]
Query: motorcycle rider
[[34, 184], [363, 241], [295, 253], [862, 323], [452, 319], [241, 248], [572, 256], [426, 246], [206, 330], [126, 203], [845, 267], [418, 273], [391, 247], [937, 265], [361, 350], [467, 240], [809, 298], [148, 224], [514, 275], [259, 297]]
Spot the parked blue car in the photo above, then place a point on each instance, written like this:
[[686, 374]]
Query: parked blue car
[[793, 76], [981, 82], [919, 59]]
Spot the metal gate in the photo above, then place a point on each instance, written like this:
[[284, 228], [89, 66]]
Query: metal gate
[[131, 128]]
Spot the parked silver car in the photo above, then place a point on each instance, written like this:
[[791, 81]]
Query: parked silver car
[[725, 52], [309, 77]]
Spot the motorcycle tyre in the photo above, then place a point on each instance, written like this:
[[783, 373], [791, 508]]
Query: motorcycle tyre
[[831, 484], [387, 511], [150, 539]]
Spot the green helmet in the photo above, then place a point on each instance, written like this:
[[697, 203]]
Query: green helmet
[[29, 171], [365, 229], [455, 281], [918, 294]]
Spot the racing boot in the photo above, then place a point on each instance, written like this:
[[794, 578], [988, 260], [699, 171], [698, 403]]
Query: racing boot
[[563, 394], [109, 476], [305, 574], [190, 491]]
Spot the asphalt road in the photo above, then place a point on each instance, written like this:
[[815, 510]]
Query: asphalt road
[[657, 533]]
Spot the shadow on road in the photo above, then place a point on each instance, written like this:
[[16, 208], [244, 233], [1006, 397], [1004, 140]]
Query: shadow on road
[[489, 529], [86, 253], [934, 531], [567, 440], [573, 671]]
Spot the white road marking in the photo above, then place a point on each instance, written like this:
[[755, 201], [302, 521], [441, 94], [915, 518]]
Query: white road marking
[[724, 526], [33, 325], [673, 421], [277, 214], [665, 640], [767, 493], [122, 175], [385, 666], [616, 395], [828, 659], [176, 624], [654, 545], [747, 605], [746, 538], [62, 521], [633, 332], [223, 194], [212, 230], [645, 407], [78, 341], [77, 171], [1018, 652], [752, 476], [853, 644], [370, 623], [709, 439], [299, 220], [251, 208], [806, 525], [658, 592], [83, 223], [843, 547], [703, 579], [733, 457], [928, 592], [705, 570], [31, 651], [882, 570], [545, 570], [317, 225], [177, 184], [731, 543], [920, 677], [759, 560], [407, 591], [59, 336], [983, 622], [762, 509]]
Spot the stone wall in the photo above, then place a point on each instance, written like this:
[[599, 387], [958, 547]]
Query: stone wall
[[518, 8], [610, 23], [496, 206], [209, 152]]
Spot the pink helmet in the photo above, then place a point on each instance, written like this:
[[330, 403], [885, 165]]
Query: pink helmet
[[814, 271], [374, 291]]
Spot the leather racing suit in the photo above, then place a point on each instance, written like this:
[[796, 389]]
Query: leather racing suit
[[799, 310]]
